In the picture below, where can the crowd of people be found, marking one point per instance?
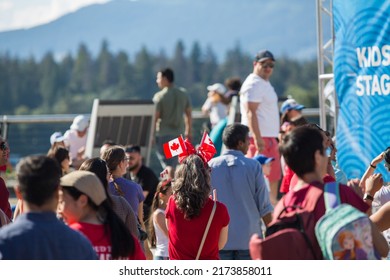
(206, 207)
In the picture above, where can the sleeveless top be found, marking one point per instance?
(161, 238)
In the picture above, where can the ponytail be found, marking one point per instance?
(122, 241)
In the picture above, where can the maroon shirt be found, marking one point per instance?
(4, 196)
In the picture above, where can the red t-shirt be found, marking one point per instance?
(185, 235)
(4, 196)
(288, 174)
(101, 241)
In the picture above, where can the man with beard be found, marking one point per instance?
(142, 175)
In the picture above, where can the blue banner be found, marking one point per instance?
(362, 81)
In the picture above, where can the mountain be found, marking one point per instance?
(285, 27)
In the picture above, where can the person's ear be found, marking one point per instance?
(83, 200)
(317, 158)
(240, 144)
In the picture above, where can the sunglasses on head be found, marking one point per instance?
(268, 65)
(3, 146)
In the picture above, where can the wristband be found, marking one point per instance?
(368, 197)
(372, 166)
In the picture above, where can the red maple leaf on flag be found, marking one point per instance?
(175, 146)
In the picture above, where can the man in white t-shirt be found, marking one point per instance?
(259, 111)
(76, 138)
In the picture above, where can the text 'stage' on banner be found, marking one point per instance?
(362, 79)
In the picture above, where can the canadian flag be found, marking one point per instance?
(207, 140)
(174, 147)
(206, 147)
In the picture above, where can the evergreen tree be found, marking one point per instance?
(195, 64)
(29, 94)
(107, 72)
(179, 65)
(125, 79)
(49, 80)
(65, 74)
(144, 77)
(82, 73)
(162, 61)
(209, 67)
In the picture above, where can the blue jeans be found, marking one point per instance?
(234, 255)
(160, 258)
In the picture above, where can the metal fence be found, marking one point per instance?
(30, 134)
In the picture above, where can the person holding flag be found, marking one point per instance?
(197, 224)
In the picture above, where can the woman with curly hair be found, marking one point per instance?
(188, 212)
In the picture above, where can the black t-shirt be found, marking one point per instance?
(148, 181)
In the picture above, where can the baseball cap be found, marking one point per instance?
(264, 55)
(87, 183)
(263, 159)
(56, 137)
(80, 123)
(220, 88)
(290, 104)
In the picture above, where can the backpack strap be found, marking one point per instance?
(332, 195)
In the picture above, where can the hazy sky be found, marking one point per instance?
(15, 14)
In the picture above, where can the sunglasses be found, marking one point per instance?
(3, 146)
(267, 65)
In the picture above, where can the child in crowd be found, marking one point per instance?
(61, 155)
(157, 226)
(265, 166)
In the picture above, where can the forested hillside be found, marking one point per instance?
(68, 85)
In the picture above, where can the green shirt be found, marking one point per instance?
(171, 103)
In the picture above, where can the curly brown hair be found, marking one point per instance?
(192, 186)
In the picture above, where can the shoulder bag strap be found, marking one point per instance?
(206, 230)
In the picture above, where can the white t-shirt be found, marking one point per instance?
(380, 198)
(218, 111)
(161, 239)
(74, 142)
(256, 89)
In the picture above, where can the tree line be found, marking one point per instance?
(53, 85)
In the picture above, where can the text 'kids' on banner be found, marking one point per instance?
(362, 79)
